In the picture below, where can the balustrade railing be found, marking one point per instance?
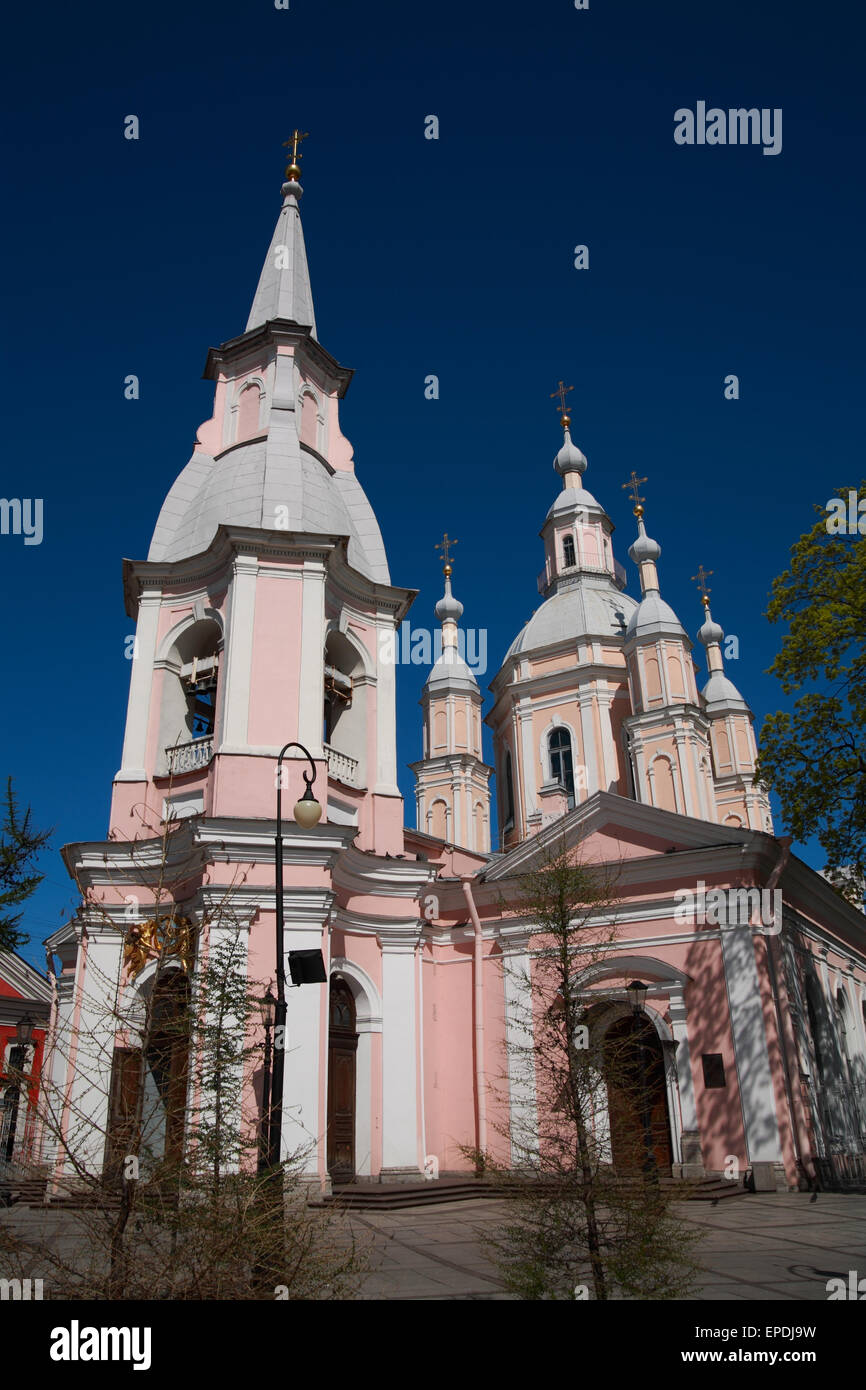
(341, 766)
(189, 757)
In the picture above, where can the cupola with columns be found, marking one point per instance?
(739, 800)
(668, 736)
(561, 695)
(598, 692)
(452, 782)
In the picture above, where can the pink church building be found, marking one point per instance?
(265, 612)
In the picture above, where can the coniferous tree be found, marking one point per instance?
(19, 847)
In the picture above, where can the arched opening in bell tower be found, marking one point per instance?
(189, 697)
(345, 708)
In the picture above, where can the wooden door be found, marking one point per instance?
(342, 1052)
(126, 1078)
(635, 1076)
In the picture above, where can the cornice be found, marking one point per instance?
(357, 872)
(364, 924)
(805, 888)
(278, 333)
(13, 1009)
(552, 682)
(20, 975)
(446, 762)
(229, 840)
(229, 543)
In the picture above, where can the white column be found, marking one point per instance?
(754, 1078)
(457, 804)
(140, 685)
(520, 1057)
(400, 1117)
(386, 720)
(239, 653)
(228, 934)
(526, 754)
(608, 752)
(90, 1092)
(685, 778)
(679, 1028)
(303, 1126)
(311, 704)
(587, 730)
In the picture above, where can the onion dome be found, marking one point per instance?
(570, 459)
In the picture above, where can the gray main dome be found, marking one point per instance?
(590, 606)
(243, 487)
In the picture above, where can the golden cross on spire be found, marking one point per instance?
(562, 391)
(445, 546)
(634, 483)
(297, 137)
(701, 580)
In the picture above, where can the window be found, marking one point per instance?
(561, 770)
(509, 791)
(714, 1070)
(568, 559)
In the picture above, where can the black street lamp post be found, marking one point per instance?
(307, 814)
(268, 1008)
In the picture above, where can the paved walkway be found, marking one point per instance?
(781, 1246)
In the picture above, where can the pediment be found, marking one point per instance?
(611, 828)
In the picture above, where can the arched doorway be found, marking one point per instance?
(634, 1073)
(342, 1054)
(147, 1109)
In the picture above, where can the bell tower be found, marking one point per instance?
(265, 605)
(668, 735)
(452, 791)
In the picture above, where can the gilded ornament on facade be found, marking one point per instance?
(156, 939)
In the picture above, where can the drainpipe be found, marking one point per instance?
(478, 979)
(784, 843)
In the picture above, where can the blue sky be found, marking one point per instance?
(452, 257)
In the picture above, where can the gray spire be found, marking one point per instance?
(652, 617)
(284, 285)
(720, 693)
(450, 671)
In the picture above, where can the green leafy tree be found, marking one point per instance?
(19, 847)
(814, 756)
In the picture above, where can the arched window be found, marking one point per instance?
(309, 420)
(249, 406)
(439, 820)
(568, 559)
(342, 664)
(479, 827)
(189, 700)
(509, 792)
(561, 769)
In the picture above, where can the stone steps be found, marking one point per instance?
(394, 1197)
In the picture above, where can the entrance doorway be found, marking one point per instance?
(147, 1109)
(634, 1071)
(342, 1055)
